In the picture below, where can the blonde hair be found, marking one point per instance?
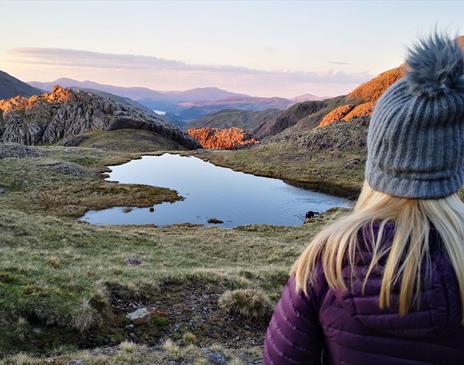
(338, 244)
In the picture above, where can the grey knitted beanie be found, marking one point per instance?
(416, 135)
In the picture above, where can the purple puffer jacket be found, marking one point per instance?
(334, 327)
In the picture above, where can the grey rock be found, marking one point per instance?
(59, 116)
(76, 362)
(2, 191)
(140, 315)
(216, 358)
(132, 261)
(16, 150)
(67, 168)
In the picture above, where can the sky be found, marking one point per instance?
(262, 48)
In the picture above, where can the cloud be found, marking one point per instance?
(88, 59)
(339, 63)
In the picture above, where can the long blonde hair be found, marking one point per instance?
(338, 244)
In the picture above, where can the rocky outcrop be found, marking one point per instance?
(336, 114)
(15, 150)
(339, 136)
(348, 112)
(362, 99)
(222, 138)
(62, 114)
(372, 90)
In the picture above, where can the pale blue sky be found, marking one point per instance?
(276, 48)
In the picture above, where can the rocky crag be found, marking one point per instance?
(361, 101)
(222, 138)
(59, 116)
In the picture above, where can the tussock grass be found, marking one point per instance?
(247, 303)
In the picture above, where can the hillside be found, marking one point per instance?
(11, 86)
(232, 118)
(63, 114)
(288, 118)
(361, 101)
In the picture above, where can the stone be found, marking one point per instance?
(2, 191)
(215, 221)
(216, 358)
(76, 362)
(311, 214)
(140, 315)
(132, 261)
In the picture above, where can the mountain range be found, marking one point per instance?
(182, 106)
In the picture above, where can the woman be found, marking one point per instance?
(385, 284)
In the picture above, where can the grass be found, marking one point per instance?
(129, 140)
(67, 182)
(247, 303)
(65, 285)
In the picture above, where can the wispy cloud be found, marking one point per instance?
(81, 58)
(339, 63)
(47, 64)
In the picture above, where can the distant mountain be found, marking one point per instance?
(11, 86)
(189, 111)
(202, 94)
(66, 116)
(183, 106)
(306, 97)
(233, 118)
(160, 100)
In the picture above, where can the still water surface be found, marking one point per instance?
(211, 191)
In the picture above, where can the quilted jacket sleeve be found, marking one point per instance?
(294, 335)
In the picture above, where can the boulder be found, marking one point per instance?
(141, 315)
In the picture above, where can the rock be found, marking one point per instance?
(16, 150)
(2, 191)
(67, 168)
(222, 138)
(363, 98)
(216, 358)
(127, 209)
(140, 315)
(311, 214)
(151, 209)
(132, 261)
(215, 221)
(76, 362)
(59, 116)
